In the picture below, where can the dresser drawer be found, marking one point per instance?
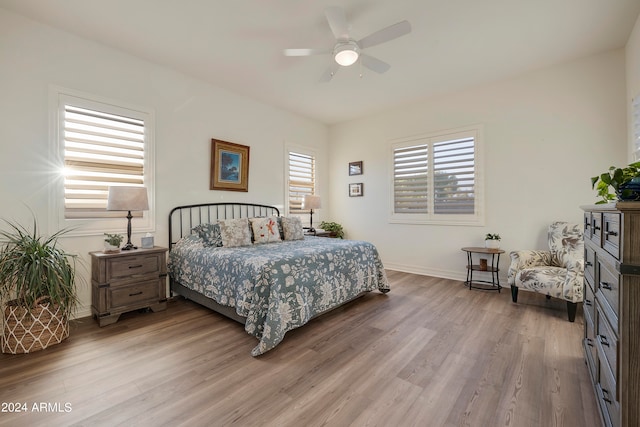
(587, 226)
(608, 291)
(590, 345)
(607, 344)
(611, 233)
(139, 293)
(589, 302)
(133, 266)
(589, 263)
(596, 228)
(606, 391)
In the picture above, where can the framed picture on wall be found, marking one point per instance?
(356, 190)
(355, 168)
(229, 166)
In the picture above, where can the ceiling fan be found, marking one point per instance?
(347, 50)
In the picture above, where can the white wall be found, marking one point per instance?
(188, 114)
(545, 134)
(632, 51)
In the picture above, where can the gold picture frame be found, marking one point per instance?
(229, 166)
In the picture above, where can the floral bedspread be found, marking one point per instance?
(278, 286)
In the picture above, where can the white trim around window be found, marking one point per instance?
(128, 157)
(305, 172)
(438, 178)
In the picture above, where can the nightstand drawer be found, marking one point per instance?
(133, 266)
(124, 296)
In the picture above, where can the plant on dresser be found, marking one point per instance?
(612, 309)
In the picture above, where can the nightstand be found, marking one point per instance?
(127, 281)
(318, 233)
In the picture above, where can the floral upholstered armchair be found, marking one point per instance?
(557, 272)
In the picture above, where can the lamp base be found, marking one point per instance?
(128, 247)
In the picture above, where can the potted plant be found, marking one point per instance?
(492, 241)
(37, 289)
(625, 183)
(334, 228)
(112, 243)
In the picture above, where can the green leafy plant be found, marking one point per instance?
(333, 227)
(33, 267)
(617, 179)
(113, 239)
(490, 236)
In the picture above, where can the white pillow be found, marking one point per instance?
(235, 232)
(265, 230)
(292, 227)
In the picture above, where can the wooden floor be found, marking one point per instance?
(429, 353)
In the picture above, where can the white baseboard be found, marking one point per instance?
(435, 272)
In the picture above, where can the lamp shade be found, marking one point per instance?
(311, 202)
(122, 198)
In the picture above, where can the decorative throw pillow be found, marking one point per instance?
(265, 230)
(292, 227)
(209, 233)
(235, 232)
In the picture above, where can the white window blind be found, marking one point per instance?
(410, 179)
(635, 111)
(100, 149)
(435, 179)
(302, 180)
(454, 176)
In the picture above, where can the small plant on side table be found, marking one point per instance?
(492, 241)
(334, 228)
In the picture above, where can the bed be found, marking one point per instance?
(271, 287)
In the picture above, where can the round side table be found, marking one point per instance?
(487, 285)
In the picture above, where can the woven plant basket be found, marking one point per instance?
(29, 330)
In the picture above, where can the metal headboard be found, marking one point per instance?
(183, 218)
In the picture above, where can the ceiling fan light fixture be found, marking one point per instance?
(346, 53)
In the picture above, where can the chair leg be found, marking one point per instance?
(514, 293)
(571, 310)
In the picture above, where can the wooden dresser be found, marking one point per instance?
(612, 309)
(126, 281)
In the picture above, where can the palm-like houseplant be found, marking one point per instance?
(37, 288)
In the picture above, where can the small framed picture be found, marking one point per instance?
(355, 168)
(356, 190)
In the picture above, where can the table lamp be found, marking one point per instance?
(122, 198)
(311, 202)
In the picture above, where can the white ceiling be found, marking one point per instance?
(237, 44)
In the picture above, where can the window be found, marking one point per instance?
(436, 178)
(302, 179)
(635, 112)
(100, 145)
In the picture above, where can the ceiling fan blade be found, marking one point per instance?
(374, 64)
(338, 22)
(329, 72)
(384, 35)
(305, 52)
